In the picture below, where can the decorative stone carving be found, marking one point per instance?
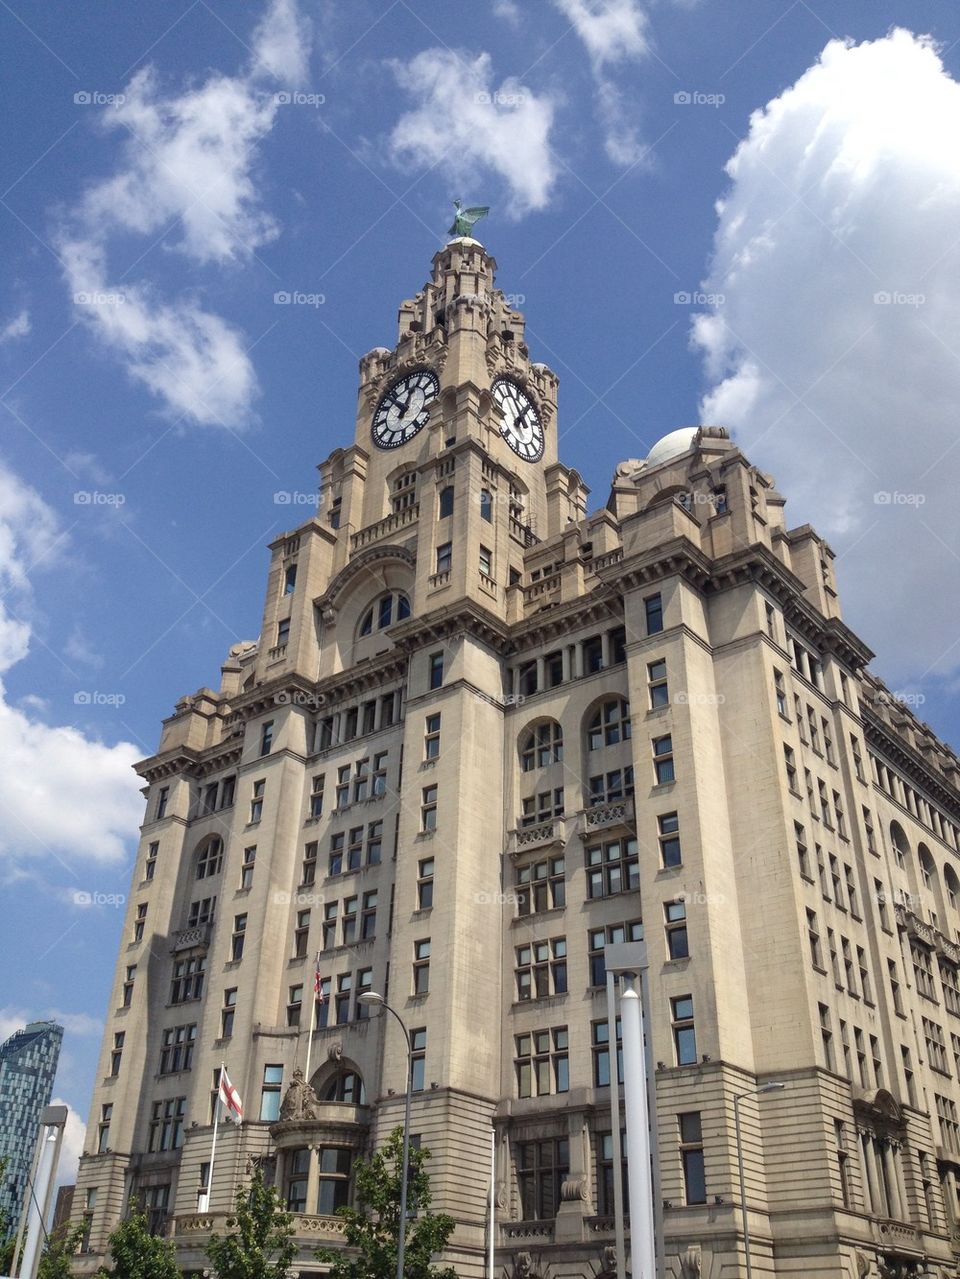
(573, 1189)
(691, 1263)
(523, 1266)
(335, 1051)
(862, 1262)
(301, 1101)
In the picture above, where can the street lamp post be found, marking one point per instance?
(753, 1092)
(372, 997)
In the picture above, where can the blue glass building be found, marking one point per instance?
(28, 1064)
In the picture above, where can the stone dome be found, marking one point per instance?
(672, 445)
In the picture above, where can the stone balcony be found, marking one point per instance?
(526, 838)
(385, 527)
(615, 815)
(926, 933)
(201, 1225)
(190, 939)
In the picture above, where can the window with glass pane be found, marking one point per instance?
(270, 1093)
(612, 868)
(541, 886)
(334, 1186)
(609, 724)
(542, 1167)
(684, 1035)
(298, 1168)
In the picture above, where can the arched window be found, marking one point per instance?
(542, 746)
(952, 885)
(610, 724)
(389, 608)
(446, 502)
(928, 868)
(901, 848)
(210, 858)
(486, 505)
(346, 1087)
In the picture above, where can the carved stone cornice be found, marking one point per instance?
(361, 563)
(883, 737)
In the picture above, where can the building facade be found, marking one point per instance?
(483, 735)
(28, 1066)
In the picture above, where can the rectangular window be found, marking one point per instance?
(300, 934)
(150, 866)
(826, 1035)
(599, 938)
(431, 737)
(236, 940)
(425, 883)
(297, 1164)
(328, 931)
(600, 1037)
(355, 848)
(684, 1034)
(364, 984)
(361, 780)
(283, 632)
(348, 931)
(436, 670)
(187, 982)
(781, 693)
(294, 1005)
(428, 808)
(790, 764)
(163, 798)
(541, 886)
(691, 1157)
(266, 737)
(610, 788)
(675, 927)
(657, 687)
(421, 966)
(668, 831)
(227, 1012)
(256, 801)
(368, 915)
(542, 1167)
(663, 760)
(103, 1128)
(201, 912)
(176, 1048)
(813, 935)
(541, 969)
(343, 786)
(126, 998)
(612, 867)
(542, 807)
(166, 1124)
(541, 1062)
(117, 1053)
(342, 1001)
(270, 1093)
(418, 1059)
(486, 561)
(379, 779)
(444, 557)
(289, 579)
(140, 923)
(653, 607)
(246, 869)
(803, 855)
(374, 843)
(316, 795)
(335, 861)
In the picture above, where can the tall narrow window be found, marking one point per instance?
(444, 557)
(684, 1034)
(436, 670)
(431, 736)
(445, 506)
(653, 606)
(657, 684)
(236, 941)
(663, 760)
(691, 1157)
(266, 738)
(421, 966)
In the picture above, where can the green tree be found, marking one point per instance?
(57, 1257)
(261, 1246)
(137, 1254)
(372, 1228)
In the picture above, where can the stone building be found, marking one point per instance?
(28, 1066)
(484, 734)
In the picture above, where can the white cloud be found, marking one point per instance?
(186, 171)
(281, 45)
(611, 30)
(847, 189)
(509, 10)
(464, 121)
(74, 1133)
(68, 795)
(18, 327)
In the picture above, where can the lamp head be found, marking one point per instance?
(372, 997)
(771, 1087)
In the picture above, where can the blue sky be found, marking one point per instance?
(747, 221)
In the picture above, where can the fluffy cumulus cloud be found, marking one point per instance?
(464, 121)
(612, 32)
(68, 795)
(186, 173)
(835, 351)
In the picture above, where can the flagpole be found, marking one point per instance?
(313, 1015)
(206, 1198)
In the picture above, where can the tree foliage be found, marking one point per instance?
(57, 1258)
(137, 1254)
(372, 1227)
(261, 1245)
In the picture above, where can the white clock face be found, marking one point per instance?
(404, 409)
(522, 428)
